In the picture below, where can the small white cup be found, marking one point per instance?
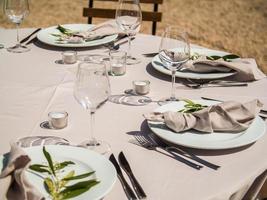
(58, 119)
(118, 63)
(141, 87)
(69, 57)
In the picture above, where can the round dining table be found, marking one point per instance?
(34, 83)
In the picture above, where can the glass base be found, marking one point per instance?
(18, 48)
(30, 141)
(165, 101)
(99, 146)
(132, 60)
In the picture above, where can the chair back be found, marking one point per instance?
(153, 16)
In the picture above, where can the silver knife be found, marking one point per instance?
(137, 187)
(127, 189)
(29, 36)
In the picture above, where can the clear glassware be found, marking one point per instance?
(129, 19)
(174, 51)
(91, 90)
(16, 11)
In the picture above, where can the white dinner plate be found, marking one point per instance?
(45, 36)
(157, 64)
(85, 161)
(212, 141)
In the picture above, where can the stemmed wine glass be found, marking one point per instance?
(16, 11)
(129, 18)
(91, 90)
(174, 51)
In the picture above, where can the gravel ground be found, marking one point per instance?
(236, 26)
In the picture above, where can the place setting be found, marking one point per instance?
(104, 127)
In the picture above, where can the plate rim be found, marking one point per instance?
(181, 74)
(206, 147)
(40, 37)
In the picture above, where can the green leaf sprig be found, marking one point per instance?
(65, 31)
(190, 106)
(227, 58)
(57, 187)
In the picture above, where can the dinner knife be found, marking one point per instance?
(127, 189)
(29, 36)
(126, 166)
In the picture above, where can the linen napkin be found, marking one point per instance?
(14, 184)
(101, 30)
(230, 116)
(246, 68)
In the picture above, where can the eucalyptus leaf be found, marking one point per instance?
(77, 189)
(81, 184)
(49, 185)
(62, 165)
(78, 176)
(230, 56)
(49, 160)
(188, 101)
(191, 107)
(40, 168)
(64, 182)
(64, 30)
(213, 57)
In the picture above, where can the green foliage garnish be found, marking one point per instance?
(190, 106)
(64, 30)
(57, 187)
(226, 58)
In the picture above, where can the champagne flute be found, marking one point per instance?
(129, 18)
(174, 52)
(16, 11)
(91, 90)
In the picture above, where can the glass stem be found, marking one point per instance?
(92, 125)
(173, 84)
(129, 46)
(17, 27)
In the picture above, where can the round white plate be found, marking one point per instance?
(157, 64)
(45, 36)
(85, 161)
(212, 141)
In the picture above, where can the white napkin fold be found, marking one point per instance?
(14, 184)
(228, 116)
(246, 68)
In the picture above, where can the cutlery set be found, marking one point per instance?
(140, 194)
(152, 142)
(30, 38)
(214, 83)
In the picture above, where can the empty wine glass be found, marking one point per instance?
(91, 90)
(129, 18)
(16, 11)
(174, 52)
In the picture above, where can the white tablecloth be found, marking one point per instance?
(32, 84)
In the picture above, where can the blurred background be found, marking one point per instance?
(236, 26)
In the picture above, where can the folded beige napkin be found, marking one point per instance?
(228, 116)
(246, 68)
(104, 29)
(14, 184)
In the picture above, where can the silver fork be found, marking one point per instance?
(151, 145)
(181, 151)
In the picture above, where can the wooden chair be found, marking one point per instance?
(153, 16)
